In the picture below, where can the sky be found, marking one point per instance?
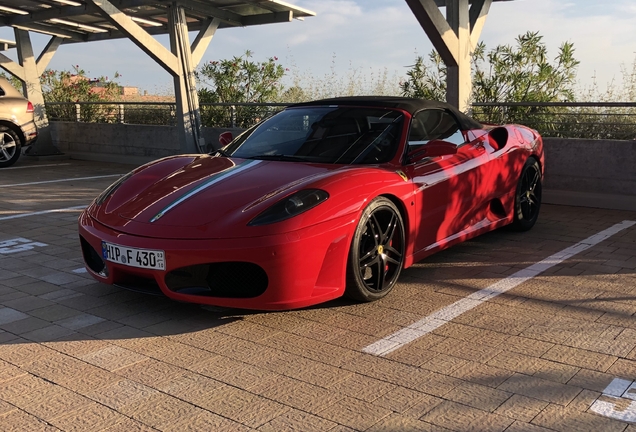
(368, 37)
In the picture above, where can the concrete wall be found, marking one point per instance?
(591, 173)
(123, 143)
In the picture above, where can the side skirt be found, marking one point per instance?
(481, 227)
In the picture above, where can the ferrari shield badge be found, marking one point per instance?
(401, 174)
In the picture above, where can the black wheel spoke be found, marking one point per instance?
(368, 262)
(375, 229)
(393, 251)
(381, 275)
(391, 260)
(390, 230)
(526, 181)
(366, 256)
(535, 181)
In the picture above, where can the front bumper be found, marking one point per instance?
(303, 267)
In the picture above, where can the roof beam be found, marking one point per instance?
(47, 14)
(117, 34)
(70, 11)
(12, 67)
(268, 18)
(53, 31)
(138, 35)
(437, 28)
(478, 14)
(227, 16)
(41, 63)
(203, 40)
(6, 44)
(47, 54)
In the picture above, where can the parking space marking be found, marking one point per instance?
(34, 166)
(18, 245)
(617, 401)
(62, 210)
(430, 323)
(80, 270)
(62, 180)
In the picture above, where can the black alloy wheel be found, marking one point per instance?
(528, 196)
(376, 257)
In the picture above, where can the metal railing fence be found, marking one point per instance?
(160, 113)
(596, 120)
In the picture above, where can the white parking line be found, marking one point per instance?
(61, 180)
(430, 323)
(80, 270)
(34, 166)
(62, 210)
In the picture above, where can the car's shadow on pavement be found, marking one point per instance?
(586, 283)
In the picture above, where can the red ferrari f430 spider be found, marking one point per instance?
(326, 198)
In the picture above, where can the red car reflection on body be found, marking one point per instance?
(324, 199)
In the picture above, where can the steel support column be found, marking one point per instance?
(179, 61)
(188, 113)
(454, 37)
(33, 91)
(458, 79)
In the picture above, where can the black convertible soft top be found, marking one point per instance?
(411, 105)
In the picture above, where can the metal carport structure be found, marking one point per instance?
(74, 21)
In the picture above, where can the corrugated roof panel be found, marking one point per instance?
(79, 20)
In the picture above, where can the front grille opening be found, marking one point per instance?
(93, 259)
(226, 279)
(139, 284)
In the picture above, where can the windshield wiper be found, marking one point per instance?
(220, 152)
(275, 157)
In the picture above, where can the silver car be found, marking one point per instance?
(17, 125)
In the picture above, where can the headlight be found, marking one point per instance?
(112, 188)
(291, 206)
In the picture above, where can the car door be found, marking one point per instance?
(449, 190)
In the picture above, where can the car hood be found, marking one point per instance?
(205, 197)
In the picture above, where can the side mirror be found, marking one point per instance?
(432, 148)
(225, 138)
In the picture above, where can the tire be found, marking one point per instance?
(528, 196)
(10, 146)
(376, 256)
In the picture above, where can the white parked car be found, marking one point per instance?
(17, 125)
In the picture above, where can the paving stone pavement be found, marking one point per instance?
(78, 355)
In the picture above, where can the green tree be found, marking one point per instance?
(239, 80)
(523, 72)
(74, 86)
(507, 73)
(426, 81)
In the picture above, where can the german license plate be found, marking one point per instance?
(141, 258)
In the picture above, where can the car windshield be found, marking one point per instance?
(335, 135)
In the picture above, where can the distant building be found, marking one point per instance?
(128, 91)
